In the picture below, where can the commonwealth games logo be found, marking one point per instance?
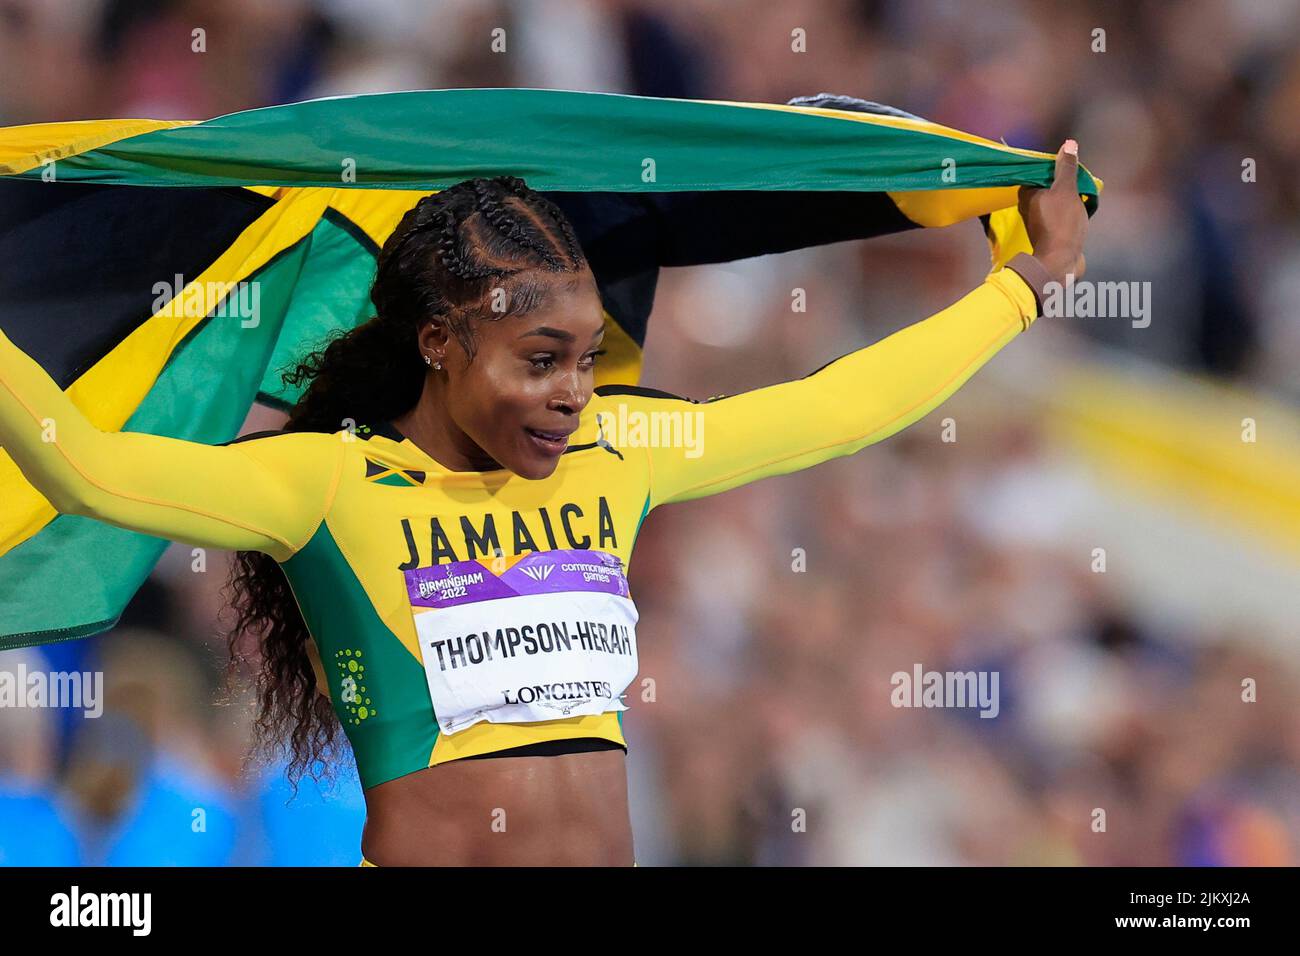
(539, 572)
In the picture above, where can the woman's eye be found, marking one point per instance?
(544, 362)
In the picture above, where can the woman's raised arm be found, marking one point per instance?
(870, 394)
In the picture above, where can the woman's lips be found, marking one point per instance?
(548, 443)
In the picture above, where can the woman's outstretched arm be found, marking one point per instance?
(863, 397)
(266, 494)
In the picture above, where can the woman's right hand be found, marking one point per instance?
(1056, 219)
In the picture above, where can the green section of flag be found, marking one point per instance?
(554, 140)
(331, 294)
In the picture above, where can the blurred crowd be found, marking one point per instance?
(761, 728)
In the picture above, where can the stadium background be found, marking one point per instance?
(1119, 690)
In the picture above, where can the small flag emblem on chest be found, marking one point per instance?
(387, 475)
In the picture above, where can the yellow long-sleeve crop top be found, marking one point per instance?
(463, 613)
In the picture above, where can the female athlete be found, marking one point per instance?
(432, 553)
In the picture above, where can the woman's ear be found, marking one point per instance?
(432, 337)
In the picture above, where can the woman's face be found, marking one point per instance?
(517, 402)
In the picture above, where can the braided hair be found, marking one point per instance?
(452, 255)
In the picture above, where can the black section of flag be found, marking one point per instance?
(79, 262)
(628, 237)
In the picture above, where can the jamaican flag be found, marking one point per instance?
(165, 272)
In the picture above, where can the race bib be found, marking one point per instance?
(552, 636)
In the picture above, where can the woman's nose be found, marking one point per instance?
(573, 395)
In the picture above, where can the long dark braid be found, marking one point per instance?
(446, 255)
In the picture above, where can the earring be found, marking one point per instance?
(437, 366)
(427, 360)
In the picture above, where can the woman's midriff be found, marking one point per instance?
(564, 810)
